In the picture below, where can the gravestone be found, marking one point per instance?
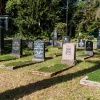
(1, 41)
(89, 48)
(81, 43)
(98, 40)
(39, 50)
(17, 47)
(69, 53)
(3, 25)
(55, 34)
(54, 41)
(65, 39)
(30, 44)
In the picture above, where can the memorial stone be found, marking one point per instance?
(39, 50)
(17, 47)
(65, 39)
(69, 53)
(89, 48)
(30, 44)
(98, 40)
(81, 43)
(54, 41)
(55, 34)
(1, 42)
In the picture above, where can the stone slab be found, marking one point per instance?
(86, 82)
(46, 74)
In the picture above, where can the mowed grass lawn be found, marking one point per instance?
(21, 84)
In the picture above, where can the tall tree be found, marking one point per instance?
(33, 17)
(86, 16)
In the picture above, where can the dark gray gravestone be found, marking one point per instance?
(17, 47)
(98, 40)
(81, 43)
(1, 41)
(39, 50)
(89, 48)
(3, 24)
(54, 41)
(65, 39)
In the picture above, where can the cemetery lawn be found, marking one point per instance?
(21, 84)
(6, 57)
(18, 63)
(55, 68)
(94, 76)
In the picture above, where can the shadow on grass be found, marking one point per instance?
(21, 91)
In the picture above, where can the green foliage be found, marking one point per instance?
(86, 16)
(90, 37)
(81, 37)
(33, 17)
(61, 29)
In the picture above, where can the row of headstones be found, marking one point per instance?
(68, 52)
(81, 44)
(39, 48)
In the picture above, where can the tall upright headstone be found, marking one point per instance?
(3, 25)
(68, 53)
(54, 38)
(17, 47)
(65, 39)
(39, 50)
(89, 48)
(55, 34)
(98, 39)
(1, 41)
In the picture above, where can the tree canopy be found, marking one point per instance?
(36, 18)
(33, 17)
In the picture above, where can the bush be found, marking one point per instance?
(90, 37)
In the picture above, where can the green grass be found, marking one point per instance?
(18, 63)
(94, 76)
(22, 84)
(54, 68)
(6, 57)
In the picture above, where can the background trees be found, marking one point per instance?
(32, 18)
(86, 17)
(36, 18)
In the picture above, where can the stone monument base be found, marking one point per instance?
(90, 53)
(68, 62)
(37, 60)
(16, 55)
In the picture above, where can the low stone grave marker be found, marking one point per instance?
(17, 47)
(89, 48)
(69, 53)
(39, 50)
